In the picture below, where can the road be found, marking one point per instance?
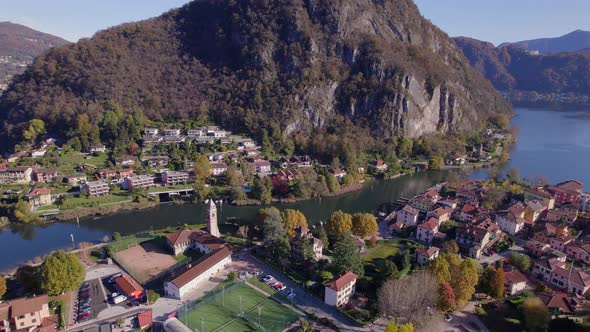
(501, 255)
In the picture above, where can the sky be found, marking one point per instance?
(496, 21)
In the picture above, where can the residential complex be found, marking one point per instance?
(340, 290)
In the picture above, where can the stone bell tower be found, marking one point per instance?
(212, 218)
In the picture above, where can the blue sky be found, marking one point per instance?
(491, 20)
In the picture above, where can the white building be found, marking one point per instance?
(508, 222)
(514, 282)
(192, 279)
(218, 169)
(171, 178)
(408, 215)
(426, 231)
(98, 148)
(339, 291)
(172, 132)
(423, 256)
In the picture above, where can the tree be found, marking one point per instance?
(202, 168)
(520, 261)
(436, 162)
(407, 327)
(273, 229)
(22, 212)
(498, 290)
(486, 282)
(27, 276)
(332, 183)
(536, 315)
(116, 236)
(440, 268)
(446, 297)
(389, 269)
(465, 281)
(61, 272)
(2, 286)
(502, 121)
(262, 189)
(292, 220)
(152, 296)
(451, 247)
(36, 127)
(338, 224)
(391, 326)
(326, 276)
(323, 236)
(232, 276)
(364, 224)
(411, 297)
(346, 256)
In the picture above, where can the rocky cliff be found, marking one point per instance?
(295, 68)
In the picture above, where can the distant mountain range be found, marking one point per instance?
(573, 41)
(19, 45)
(529, 78)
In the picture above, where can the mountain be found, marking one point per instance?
(19, 45)
(311, 74)
(573, 41)
(527, 78)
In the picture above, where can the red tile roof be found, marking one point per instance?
(557, 301)
(432, 223)
(202, 237)
(23, 306)
(128, 285)
(205, 264)
(410, 209)
(514, 277)
(39, 191)
(430, 252)
(145, 319)
(342, 282)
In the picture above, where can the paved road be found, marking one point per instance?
(306, 301)
(501, 255)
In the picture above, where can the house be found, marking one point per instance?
(423, 256)
(172, 178)
(150, 131)
(217, 156)
(555, 241)
(16, 175)
(107, 174)
(514, 282)
(536, 248)
(197, 132)
(216, 132)
(442, 213)
(473, 239)
(174, 139)
(261, 166)
(128, 286)
(509, 222)
(579, 252)
(139, 182)
(426, 230)
(379, 166)
(543, 267)
(408, 215)
(125, 173)
(339, 291)
(101, 148)
(455, 160)
(555, 272)
(45, 175)
(218, 169)
(76, 179)
(39, 153)
(562, 215)
(145, 319)
(424, 202)
(246, 144)
(203, 270)
(184, 240)
(339, 174)
(316, 246)
(172, 132)
(539, 193)
(95, 188)
(24, 314)
(467, 213)
(155, 161)
(534, 209)
(558, 303)
(566, 192)
(126, 161)
(39, 197)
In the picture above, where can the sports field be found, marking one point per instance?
(237, 310)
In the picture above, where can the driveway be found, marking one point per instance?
(464, 320)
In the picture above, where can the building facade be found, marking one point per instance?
(339, 291)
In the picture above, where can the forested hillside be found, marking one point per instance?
(329, 77)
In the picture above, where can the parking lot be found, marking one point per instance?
(90, 301)
(112, 292)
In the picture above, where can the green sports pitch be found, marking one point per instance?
(239, 308)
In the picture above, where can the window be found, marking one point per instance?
(22, 324)
(34, 320)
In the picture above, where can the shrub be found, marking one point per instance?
(480, 311)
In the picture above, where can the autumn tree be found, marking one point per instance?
(22, 212)
(440, 268)
(536, 315)
(2, 286)
(332, 183)
(364, 224)
(451, 247)
(411, 297)
(446, 297)
(202, 169)
(498, 290)
(391, 326)
(61, 272)
(436, 162)
(292, 220)
(346, 256)
(36, 127)
(338, 224)
(465, 281)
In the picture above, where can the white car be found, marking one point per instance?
(119, 299)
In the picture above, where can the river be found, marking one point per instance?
(553, 144)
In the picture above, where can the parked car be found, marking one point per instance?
(267, 278)
(113, 277)
(119, 299)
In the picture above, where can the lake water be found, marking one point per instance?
(554, 144)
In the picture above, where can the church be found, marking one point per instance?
(217, 255)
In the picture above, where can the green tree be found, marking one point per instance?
(292, 220)
(36, 127)
(391, 326)
(61, 272)
(2, 287)
(22, 212)
(202, 169)
(364, 224)
(436, 162)
(326, 276)
(84, 129)
(440, 268)
(407, 327)
(338, 224)
(152, 296)
(451, 247)
(116, 236)
(346, 256)
(262, 189)
(536, 315)
(75, 144)
(273, 229)
(323, 236)
(332, 183)
(520, 261)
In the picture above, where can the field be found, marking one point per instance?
(236, 310)
(383, 250)
(146, 260)
(69, 161)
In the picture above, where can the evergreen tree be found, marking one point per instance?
(347, 257)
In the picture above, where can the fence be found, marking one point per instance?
(131, 240)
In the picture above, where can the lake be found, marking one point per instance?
(554, 144)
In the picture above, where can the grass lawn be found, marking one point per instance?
(261, 285)
(178, 187)
(47, 207)
(383, 250)
(129, 241)
(116, 196)
(222, 310)
(70, 160)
